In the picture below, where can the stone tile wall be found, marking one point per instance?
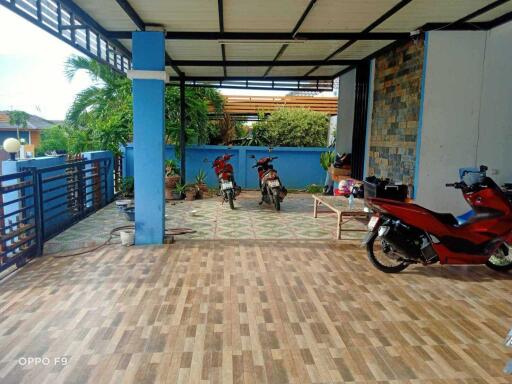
(396, 106)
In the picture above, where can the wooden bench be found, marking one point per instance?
(339, 205)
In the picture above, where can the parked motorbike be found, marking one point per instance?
(225, 174)
(401, 234)
(272, 190)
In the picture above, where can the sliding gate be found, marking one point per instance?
(37, 204)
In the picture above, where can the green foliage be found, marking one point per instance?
(18, 119)
(327, 158)
(200, 177)
(171, 168)
(314, 188)
(128, 186)
(180, 188)
(55, 138)
(103, 111)
(292, 127)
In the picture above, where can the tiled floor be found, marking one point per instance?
(246, 311)
(210, 219)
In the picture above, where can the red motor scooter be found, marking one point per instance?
(227, 186)
(401, 234)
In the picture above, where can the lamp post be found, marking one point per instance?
(11, 145)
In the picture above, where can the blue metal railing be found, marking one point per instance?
(37, 204)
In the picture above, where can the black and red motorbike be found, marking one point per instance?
(272, 189)
(401, 234)
(225, 174)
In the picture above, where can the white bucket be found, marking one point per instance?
(127, 237)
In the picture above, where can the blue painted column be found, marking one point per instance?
(148, 138)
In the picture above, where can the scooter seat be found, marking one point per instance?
(446, 218)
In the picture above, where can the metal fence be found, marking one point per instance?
(37, 204)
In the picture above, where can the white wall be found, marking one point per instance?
(466, 112)
(346, 106)
(451, 104)
(495, 139)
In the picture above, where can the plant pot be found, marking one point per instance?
(190, 195)
(171, 181)
(176, 195)
(202, 187)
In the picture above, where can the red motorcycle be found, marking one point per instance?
(401, 234)
(272, 190)
(225, 174)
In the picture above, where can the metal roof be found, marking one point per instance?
(33, 123)
(244, 40)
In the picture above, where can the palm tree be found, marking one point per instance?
(19, 119)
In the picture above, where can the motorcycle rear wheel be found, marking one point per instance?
(373, 249)
(277, 201)
(501, 261)
(230, 199)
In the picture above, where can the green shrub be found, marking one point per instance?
(293, 127)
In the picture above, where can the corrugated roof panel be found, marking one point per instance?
(246, 71)
(179, 15)
(251, 51)
(194, 49)
(420, 12)
(311, 50)
(203, 71)
(262, 15)
(289, 71)
(494, 13)
(345, 15)
(360, 49)
(329, 70)
(108, 14)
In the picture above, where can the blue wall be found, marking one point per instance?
(297, 167)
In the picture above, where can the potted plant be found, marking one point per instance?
(200, 178)
(128, 186)
(190, 192)
(172, 176)
(179, 191)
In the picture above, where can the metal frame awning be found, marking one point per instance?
(268, 44)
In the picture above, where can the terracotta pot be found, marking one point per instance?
(202, 187)
(171, 181)
(190, 194)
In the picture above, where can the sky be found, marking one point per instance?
(32, 70)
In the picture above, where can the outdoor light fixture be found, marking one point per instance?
(11, 145)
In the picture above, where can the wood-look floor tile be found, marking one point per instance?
(246, 312)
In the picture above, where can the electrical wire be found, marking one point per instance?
(114, 233)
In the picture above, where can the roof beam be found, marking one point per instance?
(481, 11)
(274, 36)
(367, 30)
(132, 14)
(137, 20)
(294, 33)
(220, 7)
(261, 63)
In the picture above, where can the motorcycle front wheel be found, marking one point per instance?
(501, 261)
(381, 256)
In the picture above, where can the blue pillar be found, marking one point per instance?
(148, 138)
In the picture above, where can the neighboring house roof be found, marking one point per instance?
(34, 122)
